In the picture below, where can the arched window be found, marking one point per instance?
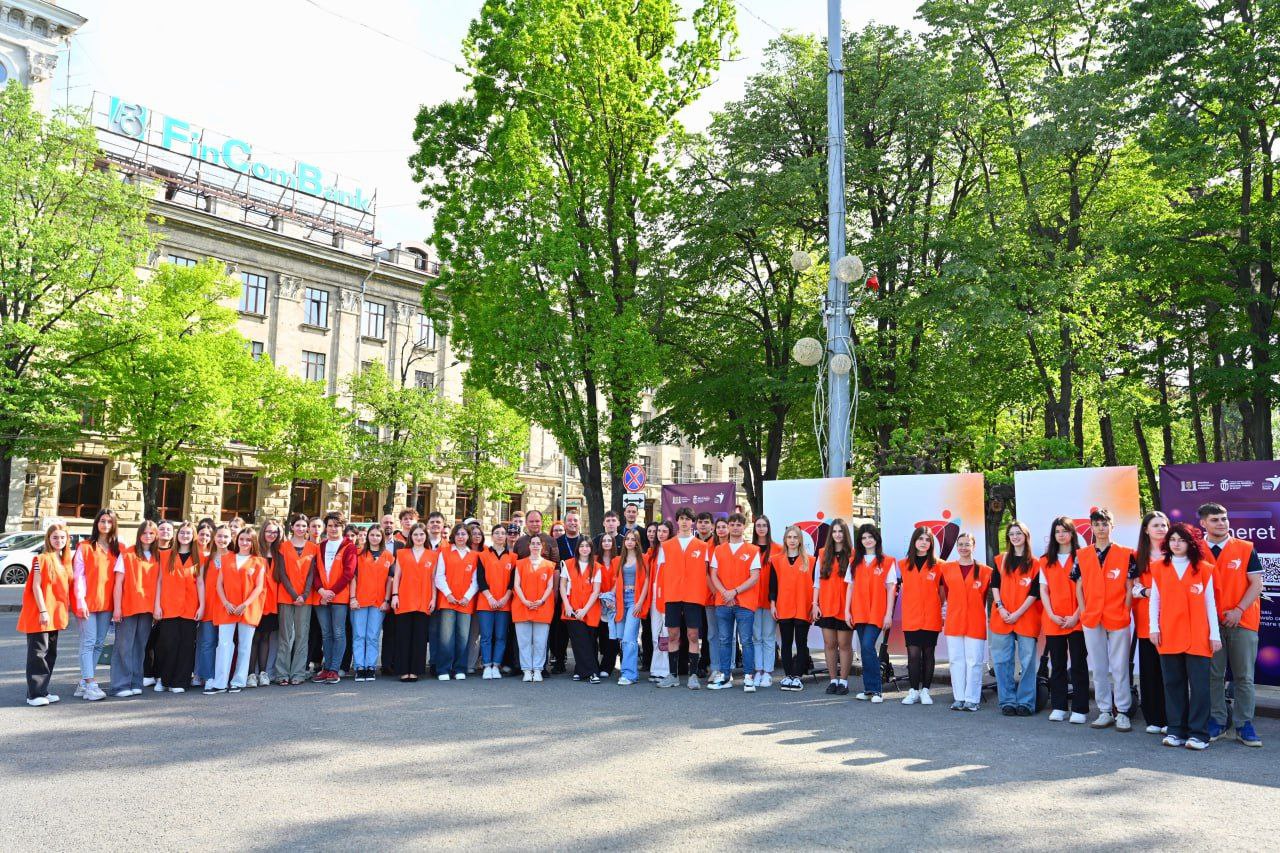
(40, 27)
(17, 18)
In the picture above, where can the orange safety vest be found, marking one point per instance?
(1104, 586)
(1231, 579)
(1183, 622)
(1014, 589)
(921, 601)
(533, 582)
(55, 577)
(733, 569)
(966, 600)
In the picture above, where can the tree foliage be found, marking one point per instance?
(487, 442)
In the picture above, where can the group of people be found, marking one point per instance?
(222, 607)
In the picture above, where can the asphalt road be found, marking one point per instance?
(560, 765)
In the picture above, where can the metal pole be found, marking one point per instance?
(837, 291)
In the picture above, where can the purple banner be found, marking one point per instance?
(1251, 493)
(715, 498)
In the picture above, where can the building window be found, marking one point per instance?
(305, 497)
(257, 349)
(315, 305)
(253, 298)
(40, 27)
(180, 261)
(461, 505)
(646, 462)
(426, 332)
(422, 501)
(733, 473)
(171, 495)
(366, 426)
(364, 503)
(706, 473)
(514, 502)
(675, 470)
(375, 320)
(239, 494)
(313, 366)
(91, 416)
(80, 488)
(424, 379)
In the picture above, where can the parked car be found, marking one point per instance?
(21, 539)
(15, 563)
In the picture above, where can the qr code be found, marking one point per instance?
(1270, 572)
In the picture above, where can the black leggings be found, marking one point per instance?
(262, 643)
(175, 651)
(608, 647)
(583, 638)
(1059, 646)
(1150, 683)
(795, 634)
(921, 649)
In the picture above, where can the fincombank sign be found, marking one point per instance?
(140, 123)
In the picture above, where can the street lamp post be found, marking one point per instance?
(837, 318)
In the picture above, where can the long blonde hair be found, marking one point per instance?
(803, 559)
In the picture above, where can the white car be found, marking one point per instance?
(16, 564)
(21, 539)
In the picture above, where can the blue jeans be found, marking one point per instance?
(493, 635)
(333, 630)
(206, 651)
(1019, 692)
(867, 636)
(630, 638)
(450, 631)
(726, 617)
(366, 626)
(93, 633)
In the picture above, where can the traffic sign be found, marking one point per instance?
(633, 478)
(637, 500)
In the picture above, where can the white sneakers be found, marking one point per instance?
(1104, 720)
(764, 680)
(147, 682)
(1057, 716)
(537, 675)
(748, 684)
(38, 702)
(92, 692)
(528, 676)
(925, 698)
(1154, 730)
(462, 676)
(253, 680)
(717, 682)
(1078, 719)
(625, 682)
(444, 676)
(491, 671)
(876, 698)
(1123, 723)
(912, 697)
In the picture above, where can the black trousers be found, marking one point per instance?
(511, 654)
(1150, 683)
(557, 640)
(411, 643)
(149, 657)
(315, 650)
(608, 648)
(389, 643)
(583, 637)
(795, 633)
(42, 654)
(1059, 648)
(1186, 694)
(646, 642)
(345, 665)
(175, 651)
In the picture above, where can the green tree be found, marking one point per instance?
(749, 194)
(186, 385)
(305, 434)
(487, 442)
(400, 428)
(550, 191)
(72, 236)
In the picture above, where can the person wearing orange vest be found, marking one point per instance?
(95, 562)
(266, 635)
(413, 599)
(682, 563)
(46, 604)
(179, 605)
(135, 598)
(295, 576)
(1015, 622)
(764, 628)
(631, 595)
(1183, 623)
(1151, 550)
(335, 567)
(735, 574)
(921, 613)
(1237, 582)
(370, 600)
(532, 608)
(580, 607)
(659, 663)
(964, 583)
(455, 583)
(872, 581)
(1063, 636)
(790, 591)
(493, 600)
(1103, 593)
(609, 631)
(238, 607)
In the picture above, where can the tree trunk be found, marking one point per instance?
(1166, 416)
(1107, 430)
(1219, 430)
(6, 473)
(150, 492)
(1193, 399)
(394, 478)
(1077, 429)
(1147, 467)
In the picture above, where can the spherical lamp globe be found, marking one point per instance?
(807, 351)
